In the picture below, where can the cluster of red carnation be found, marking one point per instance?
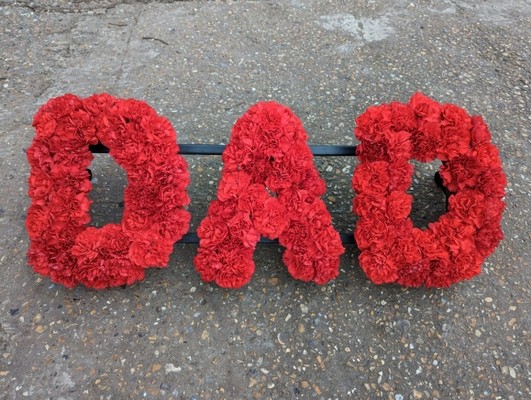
(454, 247)
(62, 246)
(269, 186)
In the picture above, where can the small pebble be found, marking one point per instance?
(273, 281)
(171, 368)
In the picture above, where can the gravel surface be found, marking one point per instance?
(202, 64)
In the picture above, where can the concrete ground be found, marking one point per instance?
(202, 64)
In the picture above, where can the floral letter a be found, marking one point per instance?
(269, 186)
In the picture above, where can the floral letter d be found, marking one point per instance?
(62, 245)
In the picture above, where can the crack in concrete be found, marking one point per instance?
(126, 53)
(81, 5)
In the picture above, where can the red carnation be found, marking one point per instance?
(494, 208)
(425, 108)
(400, 173)
(371, 178)
(460, 173)
(223, 210)
(403, 117)
(316, 215)
(241, 228)
(327, 269)
(40, 156)
(487, 238)
(372, 151)
(443, 273)
(231, 184)
(426, 140)
(280, 178)
(487, 155)
(328, 243)
(398, 205)
(468, 205)
(373, 234)
(480, 132)
(398, 145)
(469, 264)
(427, 241)
(212, 231)
(370, 206)
(301, 266)
(38, 220)
(38, 257)
(378, 268)
(373, 122)
(413, 275)
(456, 126)
(492, 182)
(296, 238)
(311, 182)
(270, 220)
(152, 252)
(253, 198)
(63, 268)
(456, 234)
(45, 124)
(295, 200)
(230, 268)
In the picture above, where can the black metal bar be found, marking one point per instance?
(217, 149)
(440, 184)
(347, 238)
(201, 149)
(98, 148)
(330, 150)
(191, 237)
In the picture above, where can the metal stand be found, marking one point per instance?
(317, 150)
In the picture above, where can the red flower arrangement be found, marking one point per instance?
(454, 247)
(269, 186)
(62, 246)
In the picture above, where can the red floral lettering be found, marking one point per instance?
(269, 186)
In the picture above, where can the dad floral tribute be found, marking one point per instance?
(62, 246)
(454, 247)
(269, 186)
